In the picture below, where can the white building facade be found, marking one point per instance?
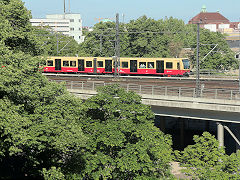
(67, 24)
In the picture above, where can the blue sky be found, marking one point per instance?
(133, 9)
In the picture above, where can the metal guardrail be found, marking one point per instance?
(160, 90)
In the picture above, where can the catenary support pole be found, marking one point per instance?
(198, 63)
(117, 47)
(64, 6)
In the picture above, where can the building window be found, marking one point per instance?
(71, 29)
(80, 29)
(168, 65)
(79, 37)
(79, 20)
(71, 20)
(124, 64)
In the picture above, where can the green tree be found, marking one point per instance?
(146, 37)
(55, 44)
(16, 30)
(99, 42)
(53, 174)
(123, 142)
(221, 58)
(206, 160)
(38, 120)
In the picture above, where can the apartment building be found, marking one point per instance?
(68, 24)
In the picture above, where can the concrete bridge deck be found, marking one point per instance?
(221, 106)
(185, 107)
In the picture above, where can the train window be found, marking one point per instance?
(88, 63)
(50, 63)
(142, 65)
(150, 65)
(124, 64)
(168, 65)
(66, 63)
(186, 64)
(100, 64)
(72, 63)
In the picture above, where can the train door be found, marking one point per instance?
(108, 65)
(133, 65)
(160, 67)
(81, 65)
(178, 66)
(58, 66)
(95, 65)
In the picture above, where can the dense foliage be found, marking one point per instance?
(55, 44)
(206, 160)
(38, 119)
(146, 37)
(123, 142)
(47, 133)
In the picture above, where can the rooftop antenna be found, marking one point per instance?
(64, 5)
(69, 6)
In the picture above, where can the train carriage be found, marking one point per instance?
(128, 66)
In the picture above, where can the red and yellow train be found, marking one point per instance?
(128, 66)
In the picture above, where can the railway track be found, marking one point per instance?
(206, 82)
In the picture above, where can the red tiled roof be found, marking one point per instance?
(234, 25)
(208, 18)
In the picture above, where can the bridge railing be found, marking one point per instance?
(227, 94)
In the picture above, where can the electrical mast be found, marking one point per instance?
(64, 6)
(117, 48)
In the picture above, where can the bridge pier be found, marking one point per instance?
(220, 134)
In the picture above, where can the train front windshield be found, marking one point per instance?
(186, 64)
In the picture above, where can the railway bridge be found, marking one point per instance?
(220, 106)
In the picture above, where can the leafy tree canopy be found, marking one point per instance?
(206, 160)
(38, 120)
(16, 30)
(123, 142)
(55, 44)
(146, 37)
